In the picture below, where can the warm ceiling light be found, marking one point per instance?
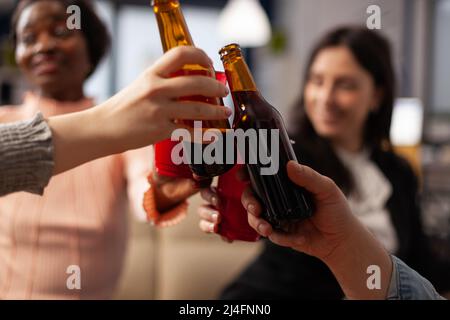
(245, 22)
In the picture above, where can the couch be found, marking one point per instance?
(180, 262)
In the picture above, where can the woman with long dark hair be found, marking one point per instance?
(341, 129)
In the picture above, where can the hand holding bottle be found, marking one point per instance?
(174, 32)
(333, 234)
(209, 213)
(170, 191)
(223, 213)
(141, 114)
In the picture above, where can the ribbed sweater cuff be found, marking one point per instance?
(26, 156)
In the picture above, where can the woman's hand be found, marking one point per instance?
(324, 231)
(332, 234)
(209, 212)
(169, 192)
(143, 113)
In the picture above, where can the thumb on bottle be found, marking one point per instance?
(309, 179)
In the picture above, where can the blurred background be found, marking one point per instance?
(182, 263)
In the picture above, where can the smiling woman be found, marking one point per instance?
(339, 97)
(53, 57)
(83, 211)
(342, 122)
(81, 220)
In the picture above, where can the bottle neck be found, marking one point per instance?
(238, 74)
(172, 25)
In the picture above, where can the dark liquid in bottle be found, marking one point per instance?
(284, 201)
(203, 169)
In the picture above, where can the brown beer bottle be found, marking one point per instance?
(284, 201)
(174, 32)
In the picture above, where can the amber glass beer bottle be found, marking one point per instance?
(284, 202)
(174, 32)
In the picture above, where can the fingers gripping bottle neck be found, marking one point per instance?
(174, 32)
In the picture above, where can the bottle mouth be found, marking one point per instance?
(156, 2)
(231, 50)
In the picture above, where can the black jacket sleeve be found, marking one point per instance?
(407, 216)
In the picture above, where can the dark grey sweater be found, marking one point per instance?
(26, 156)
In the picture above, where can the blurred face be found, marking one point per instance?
(52, 57)
(339, 95)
